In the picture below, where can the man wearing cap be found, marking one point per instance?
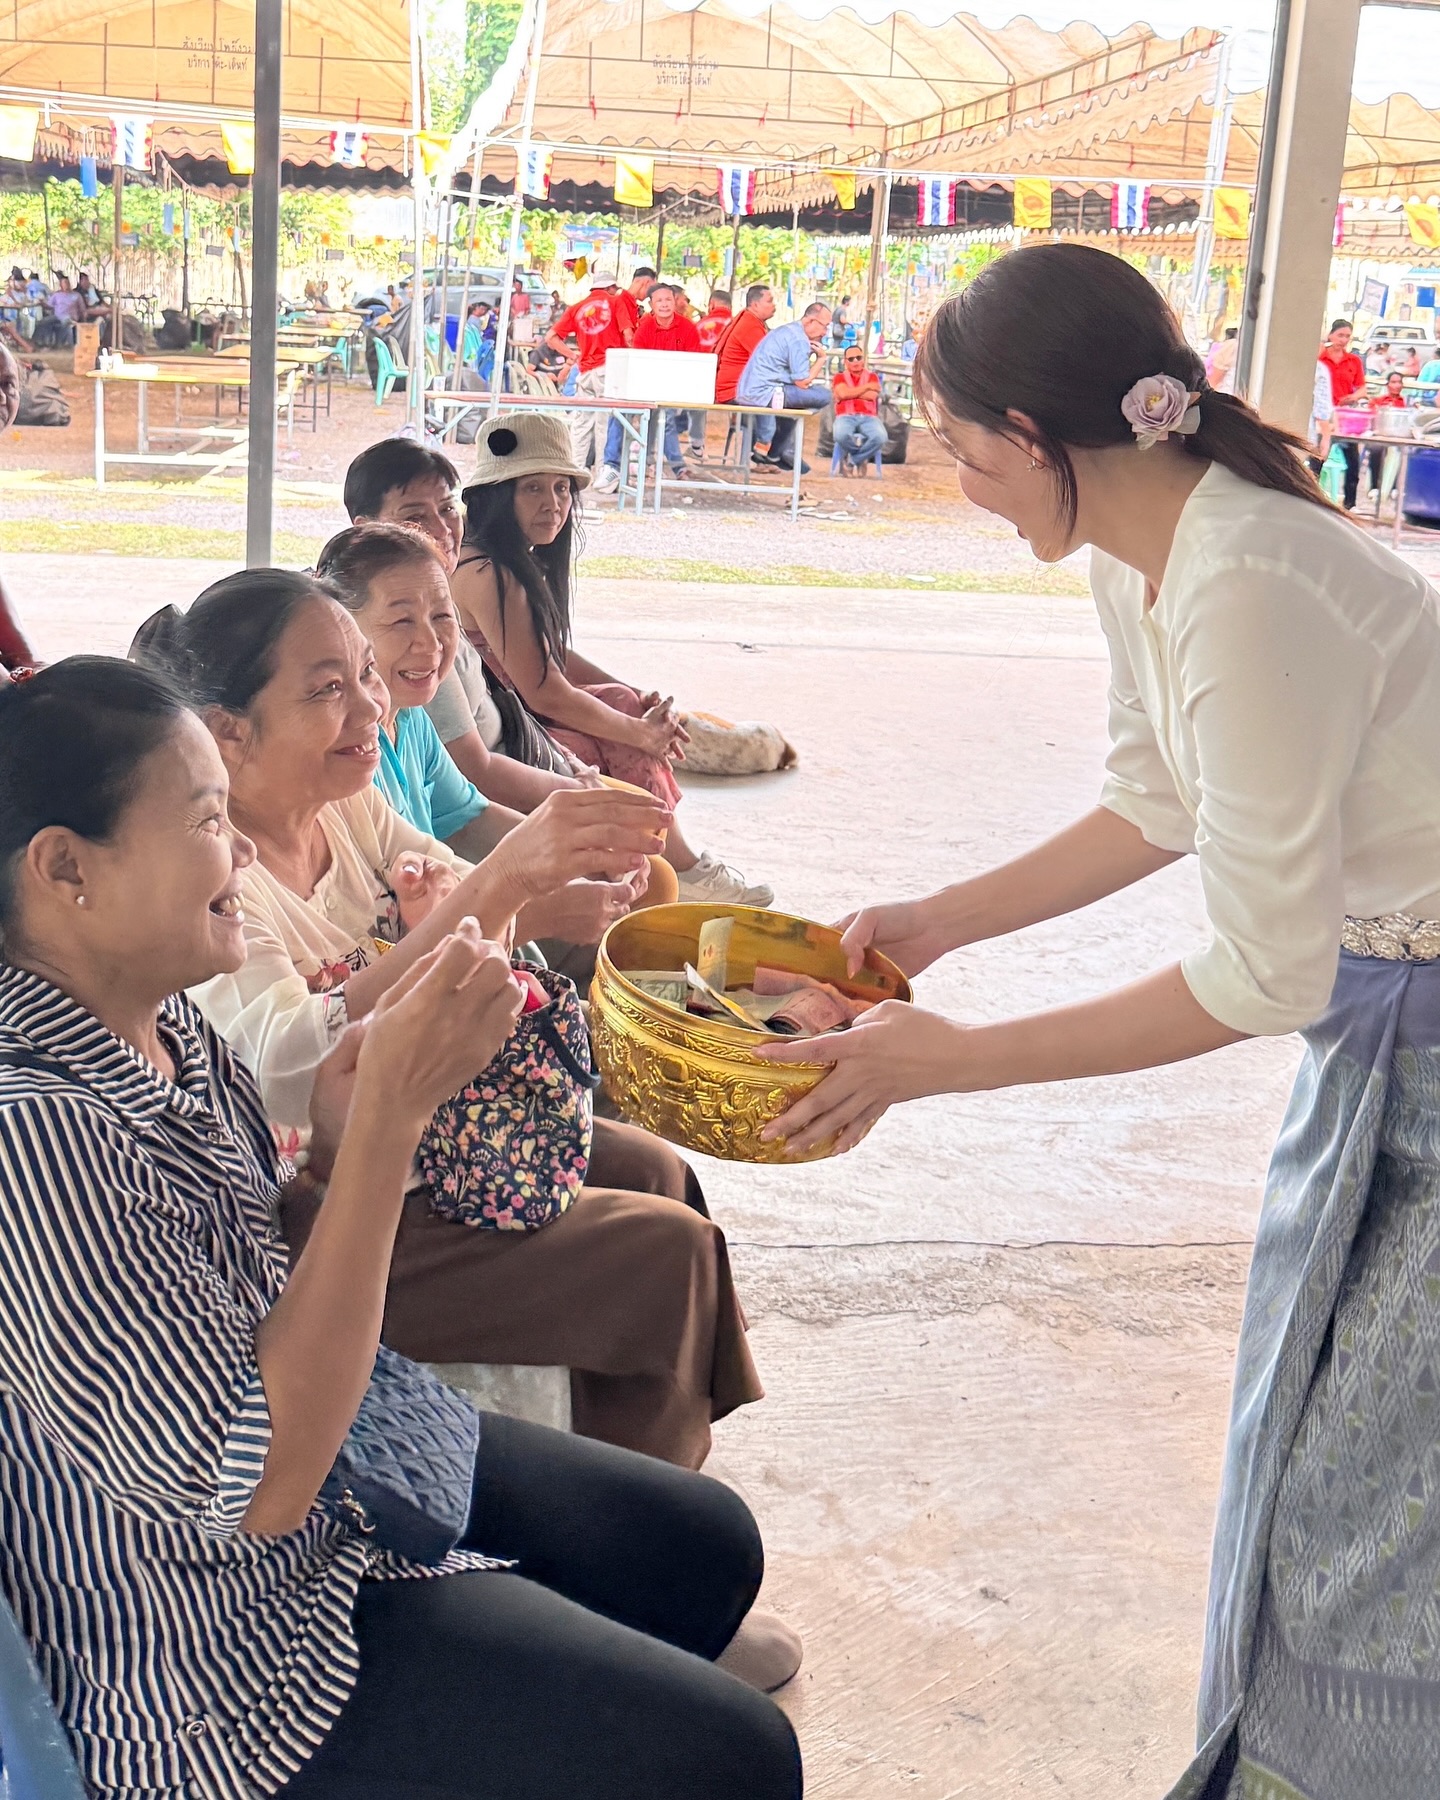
(598, 325)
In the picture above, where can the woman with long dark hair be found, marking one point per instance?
(512, 587)
(1275, 712)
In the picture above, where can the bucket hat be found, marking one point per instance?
(524, 443)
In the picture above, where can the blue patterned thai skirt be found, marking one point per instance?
(1321, 1677)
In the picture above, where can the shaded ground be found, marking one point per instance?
(997, 1337)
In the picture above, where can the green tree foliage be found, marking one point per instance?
(489, 33)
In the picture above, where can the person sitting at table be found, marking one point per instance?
(630, 1291)
(734, 347)
(176, 1392)
(858, 432)
(96, 305)
(781, 372)
(1393, 397)
(67, 306)
(512, 588)
(478, 348)
(662, 328)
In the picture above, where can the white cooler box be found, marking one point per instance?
(666, 377)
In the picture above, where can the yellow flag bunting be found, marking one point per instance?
(1232, 213)
(433, 147)
(635, 180)
(239, 141)
(1032, 202)
(843, 182)
(1424, 222)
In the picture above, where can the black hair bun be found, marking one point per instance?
(502, 441)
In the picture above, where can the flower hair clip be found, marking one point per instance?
(1158, 405)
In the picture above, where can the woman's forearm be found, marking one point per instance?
(501, 778)
(316, 1346)
(580, 668)
(557, 698)
(1151, 1022)
(1098, 855)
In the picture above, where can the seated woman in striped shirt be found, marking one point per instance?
(172, 1395)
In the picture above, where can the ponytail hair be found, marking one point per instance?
(1061, 333)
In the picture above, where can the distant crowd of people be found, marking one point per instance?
(772, 372)
(36, 312)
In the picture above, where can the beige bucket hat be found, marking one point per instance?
(524, 443)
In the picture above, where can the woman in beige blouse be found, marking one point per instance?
(629, 1290)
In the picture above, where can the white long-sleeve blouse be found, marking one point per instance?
(1276, 712)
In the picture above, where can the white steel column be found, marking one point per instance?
(1294, 257)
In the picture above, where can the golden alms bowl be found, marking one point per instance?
(697, 1081)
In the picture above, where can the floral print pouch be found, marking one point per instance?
(511, 1150)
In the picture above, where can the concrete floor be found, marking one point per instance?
(997, 1337)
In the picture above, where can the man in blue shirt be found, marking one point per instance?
(782, 363)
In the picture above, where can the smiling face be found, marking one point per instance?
(429, 505)
(162, 894)
(542, 505)
(410, 621)
(312, 733)
(1004, 476)
(662, 305)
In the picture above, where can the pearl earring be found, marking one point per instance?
(80, 900)
(1033, 463)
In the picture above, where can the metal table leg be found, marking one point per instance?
(799, 451)
(1400, 478)
(659, 417)
(142, 417)
(99, 431)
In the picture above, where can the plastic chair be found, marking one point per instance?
(38, 1761)
(387, 371)
(837, 456)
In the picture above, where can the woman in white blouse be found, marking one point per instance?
(1274, 711)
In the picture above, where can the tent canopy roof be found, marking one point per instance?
(981, 93)
(190, 64)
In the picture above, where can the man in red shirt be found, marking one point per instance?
(710, 329)
(858, 431)
(627, 303)
(662, 328)
(1347, 388)
(736, 343)
(597, 325)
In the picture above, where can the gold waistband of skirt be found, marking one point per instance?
(1398, 937)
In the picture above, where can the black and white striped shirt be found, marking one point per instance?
(138, 1253)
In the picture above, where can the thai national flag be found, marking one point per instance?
(347, 146)
(737, 188)
(1129, 205)
(936, 202)
(132, 141)
(535, 172)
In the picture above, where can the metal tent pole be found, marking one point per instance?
(879, 238)
(470, 234)
(415, 374)
(264, 286)
(117, 309)
(1260, 211)
(1216, 153)
(517, 204)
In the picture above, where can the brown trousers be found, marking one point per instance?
(630, 1290)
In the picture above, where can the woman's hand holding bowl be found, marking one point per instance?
(893, 1052)
(577, 833)
(909, 932)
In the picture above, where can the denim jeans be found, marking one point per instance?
(811, 399)
(859, 436)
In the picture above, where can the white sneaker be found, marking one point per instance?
(710, 879)
(608, 480)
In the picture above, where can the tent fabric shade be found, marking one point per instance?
(738, 80)
(193, 68)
